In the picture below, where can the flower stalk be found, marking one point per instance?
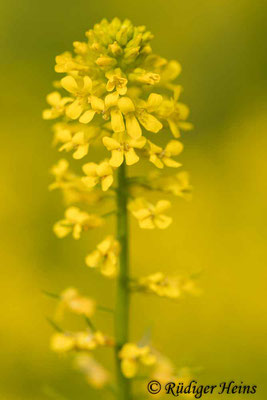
(122, 295)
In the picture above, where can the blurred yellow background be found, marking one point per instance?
(222, 232)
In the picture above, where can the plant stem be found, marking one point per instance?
(122, 298)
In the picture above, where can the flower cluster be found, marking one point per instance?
(116, 94)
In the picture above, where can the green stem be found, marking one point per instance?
(122, 298)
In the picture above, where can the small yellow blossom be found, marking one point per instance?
(177, 184)
(95, 374)
(76, 221)
(62, 343)
(121, 147)
(77, 142)
(105, 257)
(161, 285)
(74, 302)
(159, 156)
(98, 173)
(58, 105)
(117, 81)
(150, 216)
(175, 113)
(127, 107)
(132, 356)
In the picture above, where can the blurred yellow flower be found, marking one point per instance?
(160, 285)
(105, 257)
(76, 221)
(95, 374)
(150, 216)
(121, 147)
(159, 156)
(57, 103)
(71, 300)
(132, 356)
(98, 173)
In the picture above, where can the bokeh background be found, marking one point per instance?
(222, 233)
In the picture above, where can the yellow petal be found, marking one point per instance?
(93, 259)
(146, 223)
(87, 83)
(156, 161)
(117, 122)
(116, 158)
(129, 368)
(60, 230)
(89, 169)
(90, 181)
(74, 110)
(131, 157)
(81, 151)
(162, 221)
(111, 100)
(150, 122)
(110, 143)
(53, 98)
(97, 103)
(104, 169)
(87, 116)
(106, 182)
(154, 101)
(169, 162)
(162, 206)
(132, 126)
(69, 84)
(174, 147)
(126, 105)
(174, 128)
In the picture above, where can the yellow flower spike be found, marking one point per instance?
(102, 173)
(62, 343)
(76, 221)
(159, 157)
(105, 257)
(132, 125)
(150, 216)
(123, 148)
(58, 105)
(74, 302)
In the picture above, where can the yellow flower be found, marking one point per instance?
(74, 302)
(66, 63)
(81, 89)
(96, 375)
(117, 81)
(161, 285)
(150, 216)
(105, 257)
(121, 147)
(76, 221)
(132, 355)
(98, 173)
(177, 184)
(175, 113)
(58, 105)
(62, 343)
(77, 142)
(160, 156)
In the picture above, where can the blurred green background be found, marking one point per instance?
(222, 232)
